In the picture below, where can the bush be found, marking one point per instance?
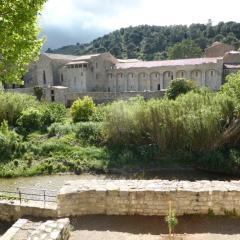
(59, 129)
(30, 120)
(180, 86)
(12, 105)
(90, 132)
(51, 113)
(83, 109)
(10, 143)
(232, 89)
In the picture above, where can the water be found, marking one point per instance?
(55, 182)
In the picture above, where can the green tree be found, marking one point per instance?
(185, 49)
(19, 44)
(180, 86)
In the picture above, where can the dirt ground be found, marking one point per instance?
(4, 227)
(154, 228)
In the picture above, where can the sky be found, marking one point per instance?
(66, 22)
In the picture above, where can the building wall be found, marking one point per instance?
(154, 79)
(218, 50)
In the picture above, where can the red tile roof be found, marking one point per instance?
(165, 63)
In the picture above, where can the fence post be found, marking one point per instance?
(20, 196)
(44, 197)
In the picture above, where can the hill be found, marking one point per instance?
(152, 42)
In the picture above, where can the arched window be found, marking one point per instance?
(44, 77)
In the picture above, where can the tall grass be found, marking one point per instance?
(193, 122)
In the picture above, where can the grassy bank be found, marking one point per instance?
(198, 129)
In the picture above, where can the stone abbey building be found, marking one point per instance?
(103, 76)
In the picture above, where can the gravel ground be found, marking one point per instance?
(154, 228)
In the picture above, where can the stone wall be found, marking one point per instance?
(104, 97)
(13, 210)
(133, 197)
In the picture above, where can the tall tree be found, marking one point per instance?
(19, 43)
(184, 49)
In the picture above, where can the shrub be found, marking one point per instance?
(82, 109)
(232, 89)
(59, 129)
(10, 142)
(180, 86)
(12, 105)
(90, 132)
(29, 121)
(52, 112)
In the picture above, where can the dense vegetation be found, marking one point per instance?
(155, 42)
(189, 127)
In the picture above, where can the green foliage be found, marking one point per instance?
(232, 89)
(38, 92)
(193, 122)
(60, 129)
(180, 86)
(185, 49)
(12, 105)
(29, 121)
(52, 112)
(90, 132)
(152, 42)
(83, 109)
(10, 143)
(19, 44)
(172, 221)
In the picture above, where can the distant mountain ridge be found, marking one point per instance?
(152, 42)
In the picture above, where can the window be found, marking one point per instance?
(159, 87)
(196, 74)
(72, 66)
(109, 89)
(52, 92)
(76, 66)
(172, 77)
(212, 73)
(96, 65)
(156, 75)
(169, 74)
(53, 98)
(44, 77)
(182, 74)
(62, 80)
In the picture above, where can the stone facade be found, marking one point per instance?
(66, 76)
(134, 197)
(218, 49)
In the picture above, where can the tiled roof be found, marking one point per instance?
(70, 57)
(60, 56)
(128, 60)
(165, 63)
